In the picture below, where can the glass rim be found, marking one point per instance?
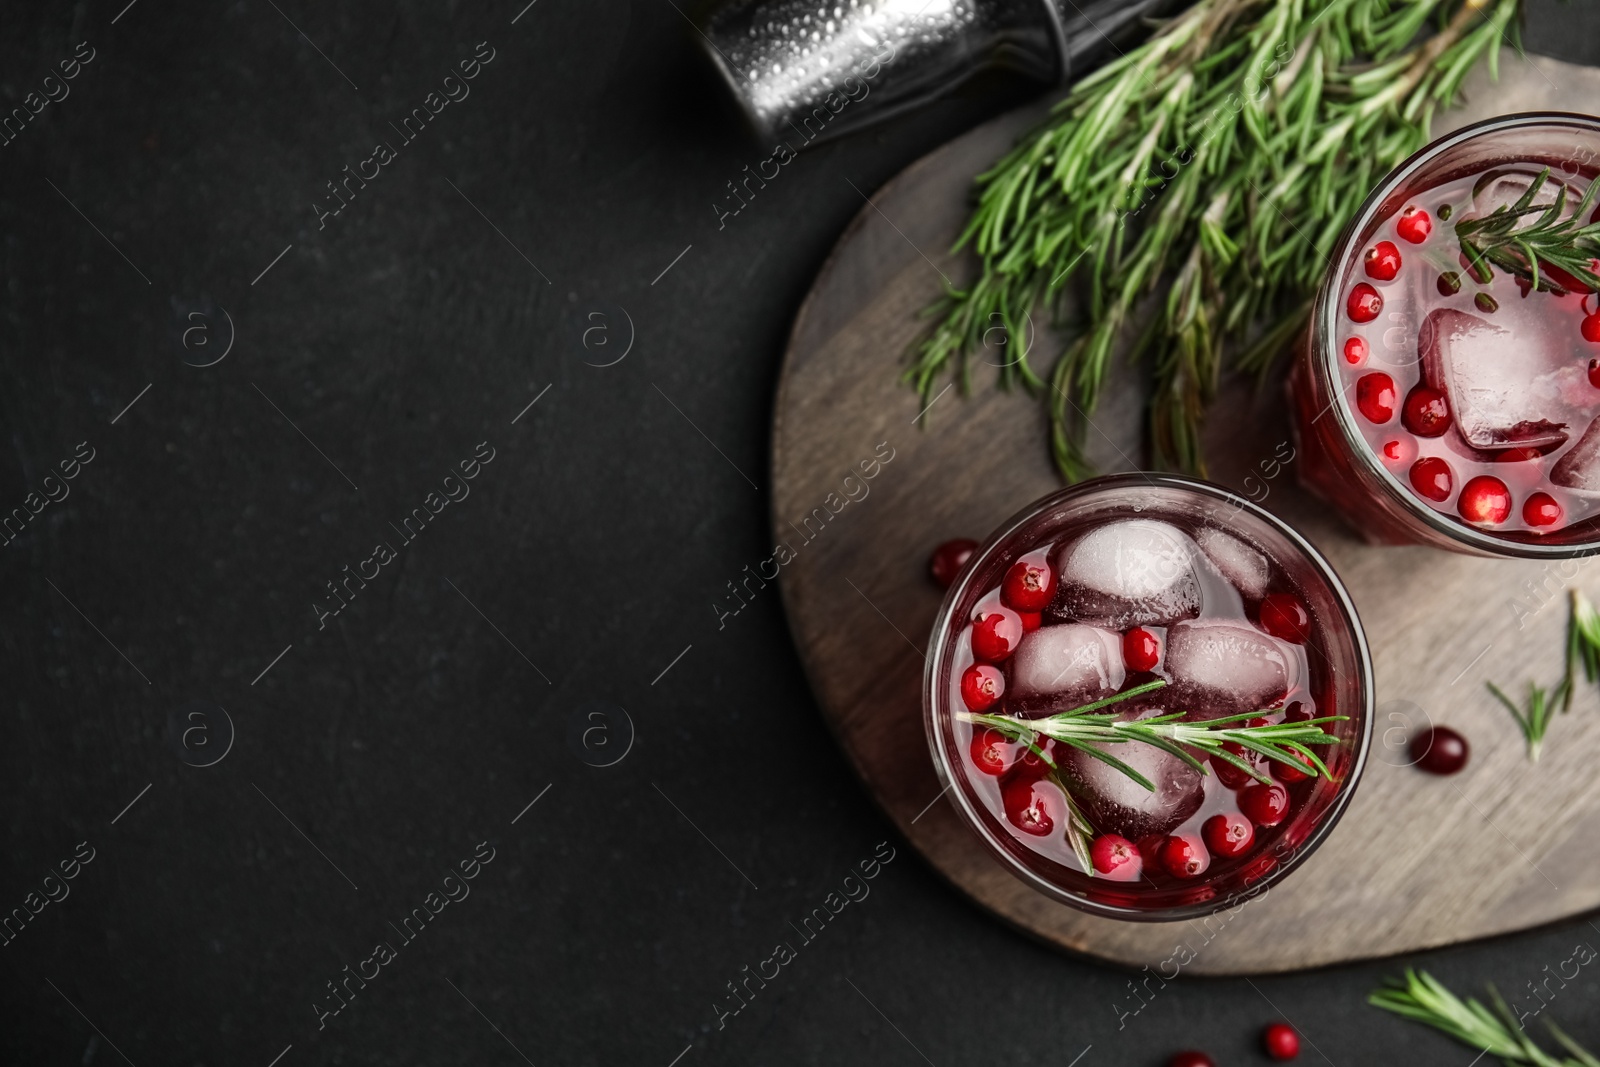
(944, 634)
(1325, 325)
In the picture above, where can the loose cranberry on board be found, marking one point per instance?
(947, 560)
(1440, 750)
(1191, 1058)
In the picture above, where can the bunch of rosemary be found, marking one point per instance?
(1216, 163)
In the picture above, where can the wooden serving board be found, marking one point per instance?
(1417, 860)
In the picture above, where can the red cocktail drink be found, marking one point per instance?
(1445, 395)
(1105, 674)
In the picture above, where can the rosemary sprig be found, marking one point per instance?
(1496, 240)
(1422, 998)
(1583, 646)
(1079, 830)
(1090, 730)
(1238, 139)
(1535, 719)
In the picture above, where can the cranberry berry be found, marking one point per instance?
(1440, 750)
(1115, 857)
(1426, 413)
(996, 632)
(1355, 351)
(1191, 1058)
(1431, 478)
(1228, 834)
(1141, 649)
(1031, 621)
(1028, 806)
(1031, 764)
(1028, 586)
(1290, 773)
(1230, 774)
(947, 560)
(988, 751)
(1364, 303)
(1376, 397)
(1285, 617)
(1541, 509)
(1414, 225)
(1383, 261)
(1280, 1041)
(1184, 856)
(981, 686)
(1590, 328)
(1485, 501)
(1264, 805)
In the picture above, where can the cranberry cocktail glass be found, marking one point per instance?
(1156, 603)
(1446, 400)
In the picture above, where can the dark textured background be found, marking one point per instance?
(416, 725)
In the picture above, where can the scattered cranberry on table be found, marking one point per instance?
(947, 560)
(1440, 750)
(1280, 1041)
(1191, 1058)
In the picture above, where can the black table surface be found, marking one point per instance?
(500, 791)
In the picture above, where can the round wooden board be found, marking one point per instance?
(1417, 861)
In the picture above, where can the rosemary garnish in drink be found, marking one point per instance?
(1499, 240)
(1090, 730)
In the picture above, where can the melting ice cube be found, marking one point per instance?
(1505, 188)
(1579, 469)
(1070, 664)
(1244, 568)
(1128, 573)
(1498, 396)
(1223, 668)
(1117, 804)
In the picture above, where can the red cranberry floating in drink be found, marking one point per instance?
(1485, 501)
(1365, 303)
(1284, 617)
(1264, 805)
(996, 633)
(1439, 750)
(1031, 621)
(1541, 509)
(1431, 477)
(1116, 857)
(1029, 586)
(988, 752)
(1375, 396)
(981, 686)
(1141, 649)
(1029, 804)
(1184, 856)
(947, 560)
(1426, 412)
(1414, 225)
(1497, 378)
(1383, 261)
(1280, 1041)
(1290, 773)
(1228, 834)
(1172, 604)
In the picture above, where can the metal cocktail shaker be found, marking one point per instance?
(829, 66)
